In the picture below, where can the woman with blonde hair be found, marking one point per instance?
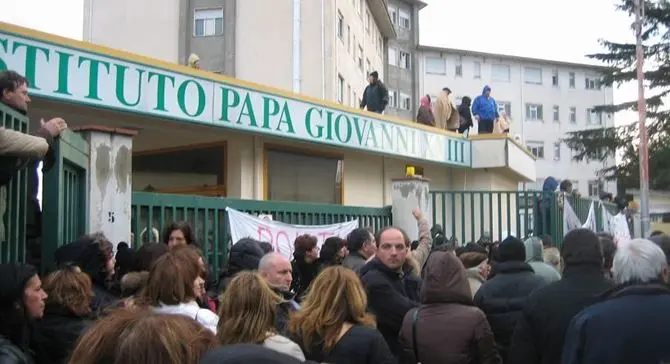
(333, 325)
(143, 337)
(247, 316)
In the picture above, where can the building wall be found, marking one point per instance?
(135, 26)
(399, 79)
(517, 92)
(216, 52)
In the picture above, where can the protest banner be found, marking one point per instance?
(279, 234)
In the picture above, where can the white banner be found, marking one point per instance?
(607, 219)
(591, 222)
(279, 234)
(571, 220)
(619, 225)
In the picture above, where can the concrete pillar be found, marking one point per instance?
(244, 168)
(110, 181)
(406, 195)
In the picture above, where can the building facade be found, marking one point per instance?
(318, 48)
(402, 74)
(544, 99)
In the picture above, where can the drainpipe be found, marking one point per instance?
(296, 46)
(323, 50)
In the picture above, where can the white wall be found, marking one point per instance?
(518, 93)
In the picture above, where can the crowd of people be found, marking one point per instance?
(370, 298)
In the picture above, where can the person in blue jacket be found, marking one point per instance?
(485, 110)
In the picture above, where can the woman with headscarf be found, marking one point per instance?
(425, 114)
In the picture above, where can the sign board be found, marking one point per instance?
(68, 71)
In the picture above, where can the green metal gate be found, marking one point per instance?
(65, 195)
(14, 196)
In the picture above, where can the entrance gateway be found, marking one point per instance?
(260, 143)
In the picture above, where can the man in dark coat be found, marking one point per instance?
(503, 297)
(376, 95)
(540, 332)
(630, 324)
(391, 285)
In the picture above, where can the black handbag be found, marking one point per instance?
(415, 318)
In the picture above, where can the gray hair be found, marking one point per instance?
(553, 257)
(638, 261)
(269, 260)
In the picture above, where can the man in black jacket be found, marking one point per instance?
(540, 332)
(376, 95)
(391, 285)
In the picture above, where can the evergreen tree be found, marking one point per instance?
(599, 144)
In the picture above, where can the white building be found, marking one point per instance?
(545, 99)
(318, 48)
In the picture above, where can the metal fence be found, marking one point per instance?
(209, 219)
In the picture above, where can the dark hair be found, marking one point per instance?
(304, 243)
(609, 249)
(472, 259)
(13, 316)
(447, 90)
(374, 74)
(475, 248)
(565, 184)
(428, 97)
(267, 247)
(330, 250)
(147, 255)
(655, 233)
(581, 247)
(182, 226)
(357, 238)
(10, 81)
(547, 241)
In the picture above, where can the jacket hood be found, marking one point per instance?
(445, 280)
(246, 353)
(466, 101)
(534, 250)
(486, 89)
(550, 184)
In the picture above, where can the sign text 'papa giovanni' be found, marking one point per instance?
(77, 75)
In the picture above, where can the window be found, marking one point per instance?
(303, 177)
(380, 45)
(208, 22)
(405, 60)
(360, 5)
(368, 20)
(403, 19)
(436, 66)
(500, 72)
(537, 148)
(360, 57)
(596, 188)
(593, 117)
(554, 78)
(393, 57)
(340, 89)
(506, 107)
(477, 70)
(573, 114)
(393, 12)
(350, 99)
(348, 39)
(393, 98)
(368, 66)
(572, 79)
(534, 112)
(591, 83)
(459, 67)
(340, 25)
(533, 75)
(405, 102)
(557, 151)
(557, 114)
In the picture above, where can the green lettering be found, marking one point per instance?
(160, 88)
(248, 111)
(181, 98)
(364, 132)
(93, 75)
(270, 108)
(329, 125)
(387, 137)
(121, 85)
(308, 123)
(347, 129)
(285, 118)
(31, 61)
(229, 99)
(401, 139)
(371, 135)
(3, 45)
(63, 73)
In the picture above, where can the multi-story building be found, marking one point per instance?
(402, 75)
(318, 48)
(545, 100)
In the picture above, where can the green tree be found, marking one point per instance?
(599, 144)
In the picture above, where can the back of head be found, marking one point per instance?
(609, 249)
(472, 259)
(245, 255)
(330, 249)
(90, 253)
(512, 249)
(171, 278)
(69, 289)
(247, 353)
(639, 261)
(663, 241)
(147, 254)
(534, 249)
(356, 238)
(581, 247)
(142, 337)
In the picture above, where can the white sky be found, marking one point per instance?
(563, 30)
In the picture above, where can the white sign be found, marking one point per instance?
(74, 74)
(620, 230)
(571, 220)
(281, 235)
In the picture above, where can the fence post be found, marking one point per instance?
(406, 195)
(110, 181)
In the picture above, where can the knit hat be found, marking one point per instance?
(13, 280)
(512, 249)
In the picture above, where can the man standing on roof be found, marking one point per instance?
(485, 110)
(376, 95)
